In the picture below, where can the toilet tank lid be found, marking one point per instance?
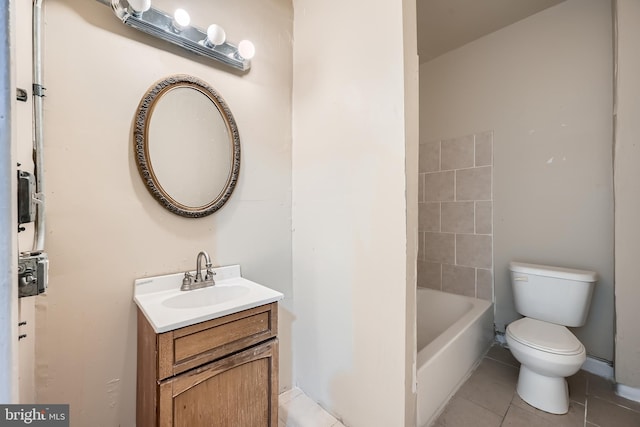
(551, 271)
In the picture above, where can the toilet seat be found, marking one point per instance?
(545, 336)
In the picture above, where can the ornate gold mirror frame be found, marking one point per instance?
(141, 136)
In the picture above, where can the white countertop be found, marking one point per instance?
(160, 298)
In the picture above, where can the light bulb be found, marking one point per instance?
(215, 35)
(139, 6)
(120, 11)
(181, 19)
(246, 49)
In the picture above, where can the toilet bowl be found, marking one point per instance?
(550, 298)
(548, 353)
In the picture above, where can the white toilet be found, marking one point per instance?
(551, 298)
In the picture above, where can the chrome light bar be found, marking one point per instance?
(162, 25)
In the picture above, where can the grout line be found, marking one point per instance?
(615, 403)
(475, 207)
(455, 248)
(465, 169)
(476, 281)
(455, 185)
(586, 402)
(474, 150)
(502, 362)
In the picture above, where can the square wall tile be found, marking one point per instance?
(439, 186)
(474, 250)
(484, 217)
(429, 216)
(440, 247)
(457, 153)
(484, 149)
(484, 284)
(473, 184)
(429, 275)
(458, 217)
(459, 280)
(429, 157)
(420, 187)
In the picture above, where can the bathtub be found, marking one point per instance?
(454, 332)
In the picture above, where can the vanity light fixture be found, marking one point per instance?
(246, 49)
(181, 19)
(215, 36)
(138, 7)
(177, 29)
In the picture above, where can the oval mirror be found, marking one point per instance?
(187, 146)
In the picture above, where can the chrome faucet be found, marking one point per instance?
(189, 284)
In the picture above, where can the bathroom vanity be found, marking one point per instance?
(208, 357)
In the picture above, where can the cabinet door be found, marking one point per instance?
(237, 391)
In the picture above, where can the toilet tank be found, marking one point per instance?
(552, 294)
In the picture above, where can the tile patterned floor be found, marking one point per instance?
(489, 399)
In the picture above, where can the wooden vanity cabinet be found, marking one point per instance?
(218, 373)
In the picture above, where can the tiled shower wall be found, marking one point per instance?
(456, 215)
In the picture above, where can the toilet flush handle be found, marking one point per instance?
(521, 279)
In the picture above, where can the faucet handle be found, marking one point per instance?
(188, 279)
(210, 273)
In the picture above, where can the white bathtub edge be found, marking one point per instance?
(450, 358)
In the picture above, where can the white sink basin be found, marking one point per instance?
(212, 295)
(166, 307)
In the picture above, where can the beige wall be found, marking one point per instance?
(543, 85)
(105, 229)
(627, 179)
(350, 248)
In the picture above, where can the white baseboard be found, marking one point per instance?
(628, 392)
(598, 367)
